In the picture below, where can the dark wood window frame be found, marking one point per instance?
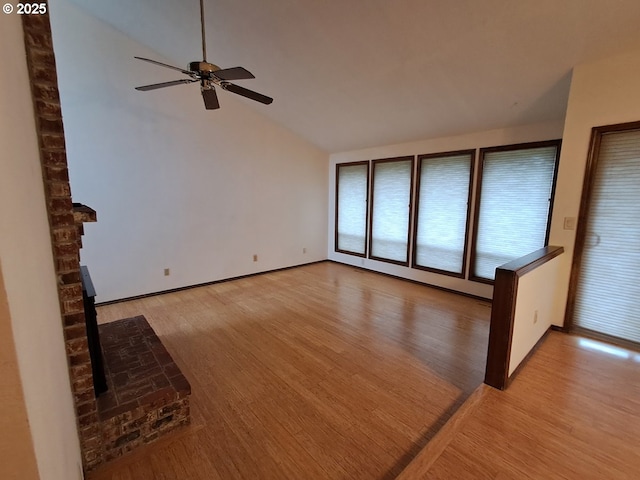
(410, 158)
(366, 240)
(478, 194)
(427, 157)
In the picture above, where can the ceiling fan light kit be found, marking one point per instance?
(209, 75)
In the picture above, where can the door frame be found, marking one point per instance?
(581, 232)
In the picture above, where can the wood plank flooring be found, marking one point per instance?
(323, 371)
(573, 412)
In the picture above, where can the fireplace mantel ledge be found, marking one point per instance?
(84, 214)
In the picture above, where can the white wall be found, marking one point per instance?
(27, 269)
(603, 92)
(539, 305)
(176, 186)
(530, 133)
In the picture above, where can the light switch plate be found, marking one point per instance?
(569, 223)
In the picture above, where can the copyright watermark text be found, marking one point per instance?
(25, 8)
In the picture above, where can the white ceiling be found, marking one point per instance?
(348, 74)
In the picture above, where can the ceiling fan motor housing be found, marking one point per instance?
(203, 68)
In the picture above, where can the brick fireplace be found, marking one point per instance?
(121, 420)
(147, 394)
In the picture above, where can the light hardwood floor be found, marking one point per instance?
(318, 372)
(573, 412)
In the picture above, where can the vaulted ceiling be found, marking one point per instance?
(351, 74)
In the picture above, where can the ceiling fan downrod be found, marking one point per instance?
(204, 43)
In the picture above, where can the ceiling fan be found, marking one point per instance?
(209, 75)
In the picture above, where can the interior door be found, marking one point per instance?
(605, 286)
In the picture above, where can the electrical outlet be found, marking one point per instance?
(535, 317)
(304, 250)
(255, 257)
(167, 272)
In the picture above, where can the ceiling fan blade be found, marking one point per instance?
(146, 88)
(235, 73)
(245, 92)
(210, 98)
(186, 72)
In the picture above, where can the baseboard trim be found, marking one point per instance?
(528, 356)
(230, 279)
(213, 282)
(417, 282)
(603, 337)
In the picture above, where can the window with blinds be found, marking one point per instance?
(608, 289)
(390, 209)
(515, 195)
(352, 191)
(442, 211)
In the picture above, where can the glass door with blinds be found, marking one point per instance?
(606, 277)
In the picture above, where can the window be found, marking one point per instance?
(515, 196)
(390, 210)
(513, 200)
(352, 191)
(443, 211)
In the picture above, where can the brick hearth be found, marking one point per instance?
(148, 395)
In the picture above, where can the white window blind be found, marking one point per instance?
(515, 199)
(443, 198)
(351, 207)
(390, 210)
(608, 287)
